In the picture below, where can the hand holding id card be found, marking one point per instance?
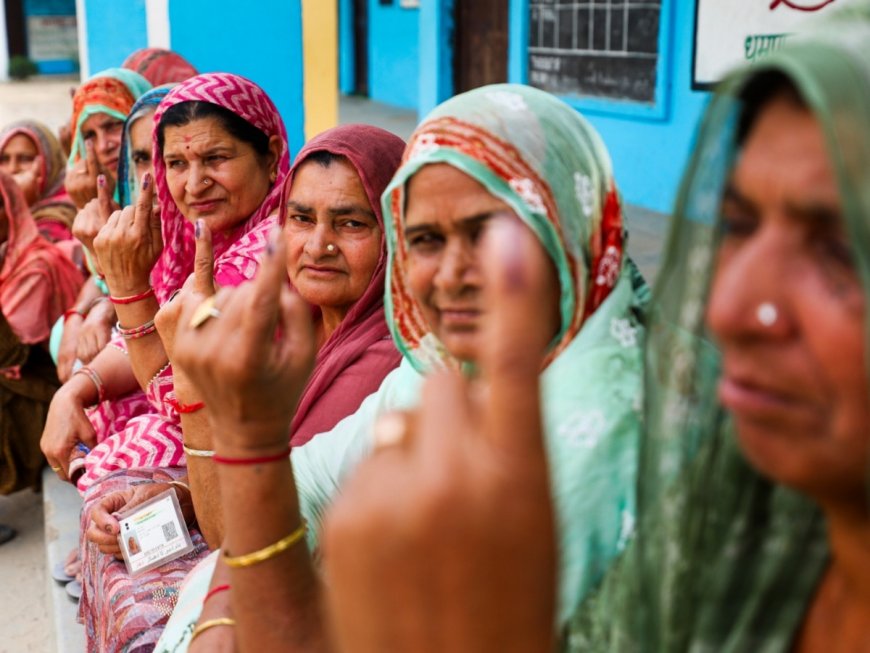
(153, 533)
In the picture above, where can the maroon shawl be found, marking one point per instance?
(358, 355)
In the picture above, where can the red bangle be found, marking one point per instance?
(184, 409)
(224, 460)
(216, 590)
(132, 299)
(73, 311)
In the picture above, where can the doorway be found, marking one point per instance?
(361, 47)
(480, 53)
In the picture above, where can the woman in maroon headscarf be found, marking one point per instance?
(337, 263)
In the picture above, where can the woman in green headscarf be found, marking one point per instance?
(762, 541)
(499, 150)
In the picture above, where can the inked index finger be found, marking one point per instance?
(517, 330)
(142, 214)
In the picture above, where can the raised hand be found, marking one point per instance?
(81, 180)
(130, 243)
(201, 282)
(444, 540)
(251, 356)
(29, 180)
(96, 330)
(94, 216)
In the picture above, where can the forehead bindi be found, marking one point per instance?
(197, 137)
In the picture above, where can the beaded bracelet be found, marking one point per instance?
(211, 623)
(251, 559)
(136, 332)
(198, 453)
(132, 299)
(97, 381)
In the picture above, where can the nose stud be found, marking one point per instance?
(330, 248)
(206, 181)
(767, 314)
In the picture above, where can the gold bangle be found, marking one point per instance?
(250, 559)
(211, 623)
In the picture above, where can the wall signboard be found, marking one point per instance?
(595, 49)
(733, 32)
(51, 38)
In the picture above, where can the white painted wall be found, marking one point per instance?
(82, 27)
(157, 16)
(4, 44)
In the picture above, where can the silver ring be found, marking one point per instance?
(767, 314)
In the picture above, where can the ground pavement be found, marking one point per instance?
(34, 623)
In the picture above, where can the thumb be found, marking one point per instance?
(203, 264)
(516, 272)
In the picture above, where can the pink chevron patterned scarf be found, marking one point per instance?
(248, 101)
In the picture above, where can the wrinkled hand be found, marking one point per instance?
(94, 216)
(252, 362)
(81, 179)
(130, 244)
(66, 425)
(29, 180)
(95, 331)
(104, 527)
(444, 540)
(200, 282)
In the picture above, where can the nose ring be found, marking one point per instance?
(767, 314)
(330, 248)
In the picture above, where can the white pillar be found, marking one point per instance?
(157, 19)
(82, 28)
(4, 44)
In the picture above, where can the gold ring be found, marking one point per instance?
(205, 311)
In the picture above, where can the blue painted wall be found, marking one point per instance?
(260, 40)
(346, 45)
(649, 145)
(394, 60)
(436, 54)
(115, 29)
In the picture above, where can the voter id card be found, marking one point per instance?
(153, 533)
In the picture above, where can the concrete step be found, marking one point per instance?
(62, 507)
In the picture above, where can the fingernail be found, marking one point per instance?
(197, 229)
(101, 180)
(146, 181)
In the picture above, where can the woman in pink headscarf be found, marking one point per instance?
(37, 284)
(220, 158)
(336, 261)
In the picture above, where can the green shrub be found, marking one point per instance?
(20, 67)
